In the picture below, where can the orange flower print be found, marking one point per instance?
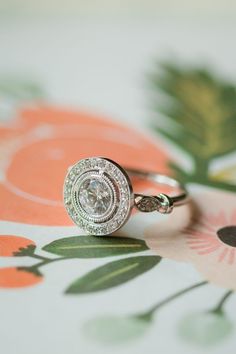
(37, 148)
(18, 278)
(202, 233)
(11, 245)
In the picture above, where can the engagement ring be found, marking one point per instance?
(99, 197)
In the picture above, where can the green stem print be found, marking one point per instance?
(35, 268)
(207, 328)
(43, 259)
(148, 314)
(220, 306)
(202, 110)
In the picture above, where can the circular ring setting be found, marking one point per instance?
(99, 198)
(98, 195)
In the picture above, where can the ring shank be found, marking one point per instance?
(178, 199)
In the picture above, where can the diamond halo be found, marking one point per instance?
(98, 195)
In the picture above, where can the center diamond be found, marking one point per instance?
(95, 196)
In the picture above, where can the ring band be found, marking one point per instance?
(99, 197)
(161, 206)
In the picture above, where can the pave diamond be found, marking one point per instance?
(98, 195)
(95, 196)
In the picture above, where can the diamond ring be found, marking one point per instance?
(99, 197)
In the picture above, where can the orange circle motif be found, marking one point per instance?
(12, 277)
(10, 244)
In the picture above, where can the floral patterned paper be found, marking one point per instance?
(41, 142)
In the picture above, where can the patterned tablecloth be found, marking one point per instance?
(164, 283)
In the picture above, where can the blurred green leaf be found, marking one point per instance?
(115, 330)
(202, 109)
(205, 329)
(203, 106)
(113, 274)
(95, 247)
(19, 89)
